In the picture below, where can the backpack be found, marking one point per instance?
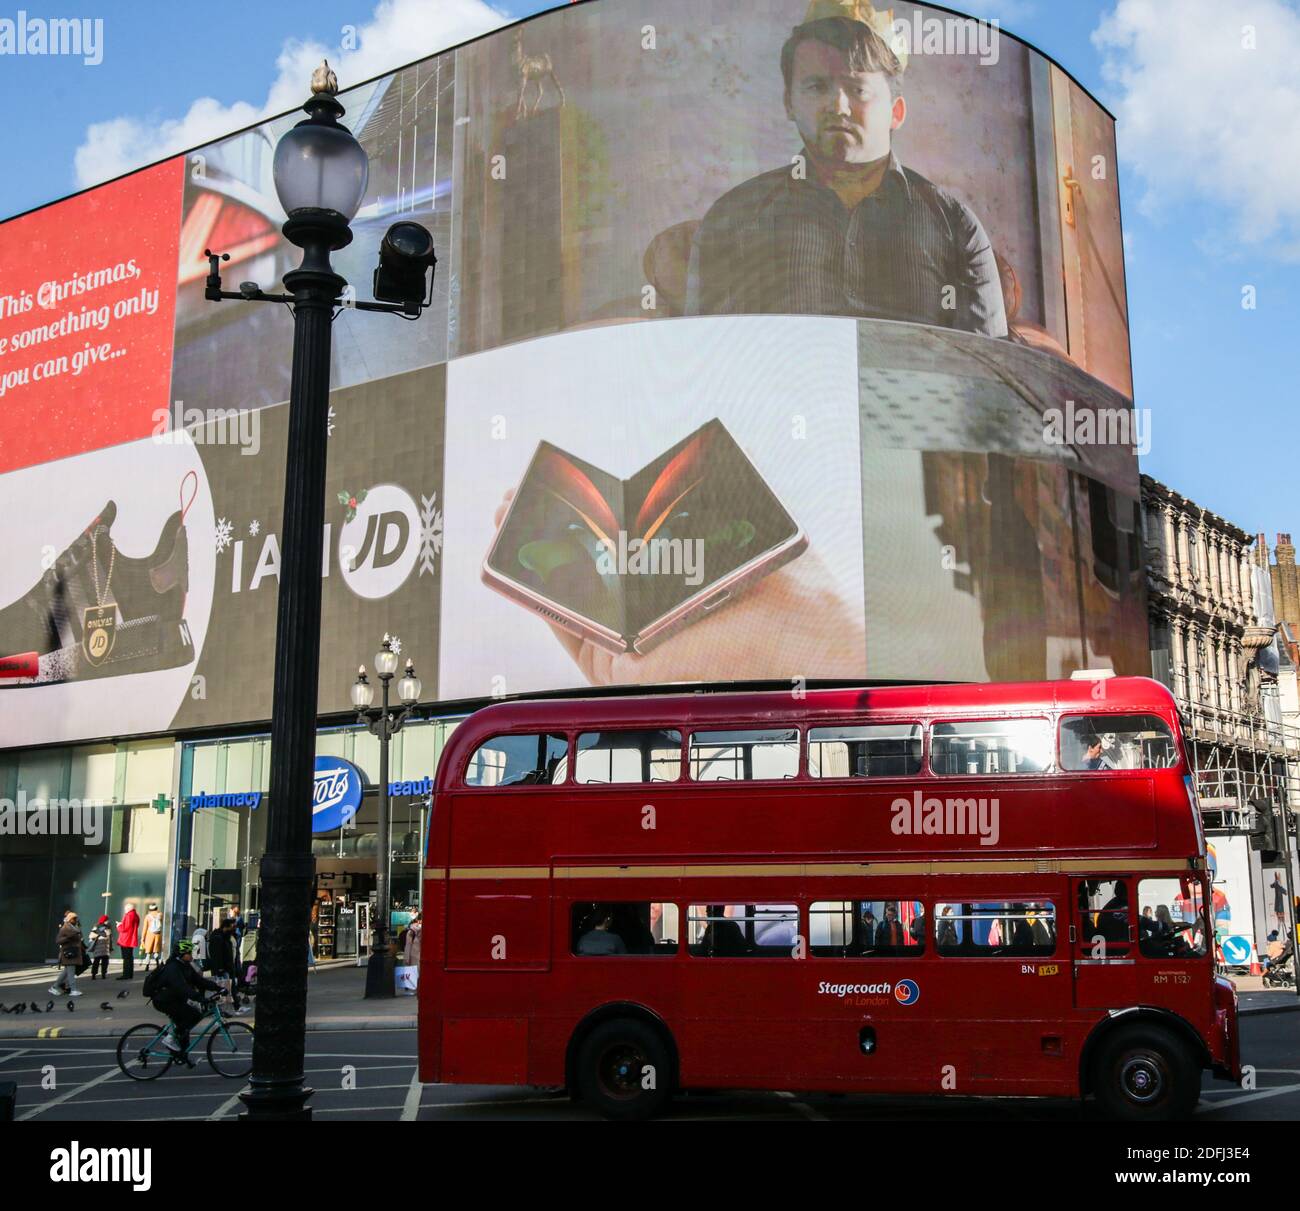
(151, 982)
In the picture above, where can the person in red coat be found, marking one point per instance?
(128, 938)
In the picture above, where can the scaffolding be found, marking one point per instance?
(1244, 764)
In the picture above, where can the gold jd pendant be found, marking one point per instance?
(98, 630)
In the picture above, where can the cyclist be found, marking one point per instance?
(178, 992)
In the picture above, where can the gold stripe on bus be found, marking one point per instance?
(789, 870)
(500, 872)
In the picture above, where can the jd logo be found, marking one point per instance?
(379, 546)
(98, 629)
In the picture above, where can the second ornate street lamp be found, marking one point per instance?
(321, 173)
(379, 970)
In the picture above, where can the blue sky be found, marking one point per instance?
(1208, 97)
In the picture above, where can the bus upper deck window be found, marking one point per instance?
(865, 751)
(744, 756)
(991, 746)
(1100, 742)
(523, 760)
(645, 755)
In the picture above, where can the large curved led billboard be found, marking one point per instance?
(769, 340)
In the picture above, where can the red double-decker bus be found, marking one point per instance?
(958, 889)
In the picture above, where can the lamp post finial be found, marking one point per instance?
(323, 80)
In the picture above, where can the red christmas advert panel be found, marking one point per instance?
(87, 298)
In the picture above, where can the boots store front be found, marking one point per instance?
(82, 828)
(222, 825)
(181, 825)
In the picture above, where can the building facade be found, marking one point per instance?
(832, 476)
(1217, 644)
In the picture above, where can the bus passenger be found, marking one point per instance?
(890, 931)
(599, 939)
(1039, 927)
(723, 938)
(946, 936)
(868, 927)
(1112, 921)
(1093, 758)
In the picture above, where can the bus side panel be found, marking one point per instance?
(485, 1051)
(431, 989)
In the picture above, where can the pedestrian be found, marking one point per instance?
(223, 965)
(72, 953)
(248, 959)
(101, 948)
(199, 939)
(128, 938)
(151, 943)
(1279, 901)
(411, 952)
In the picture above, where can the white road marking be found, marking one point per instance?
(806, 1110)
(225, 1108)
(358, 1055)
(1276, 1091)
(504, 1101)
(413, 1093)
(350, 1109)
(63, 1097)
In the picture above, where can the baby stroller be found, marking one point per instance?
(1280, 972)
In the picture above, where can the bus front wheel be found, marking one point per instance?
(1145, 1074)
(624, 1070)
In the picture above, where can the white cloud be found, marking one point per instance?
(1203, 115)
(399, 32)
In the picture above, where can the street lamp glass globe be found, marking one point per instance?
(320, 166)
(363, 693)
(385, 661)
(408, 689)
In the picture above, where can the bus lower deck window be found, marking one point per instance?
(1019, 928)
(1104, 917)
(850, 929)
(742, 931)
(624, 928)
(1171, 918)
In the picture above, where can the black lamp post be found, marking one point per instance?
(321, 173)
(379, 970)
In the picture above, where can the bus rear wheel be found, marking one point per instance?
(623, 1070)
(1145, 1074)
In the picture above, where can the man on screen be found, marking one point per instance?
(846, 229)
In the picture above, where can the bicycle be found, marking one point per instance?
(143, 1055)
